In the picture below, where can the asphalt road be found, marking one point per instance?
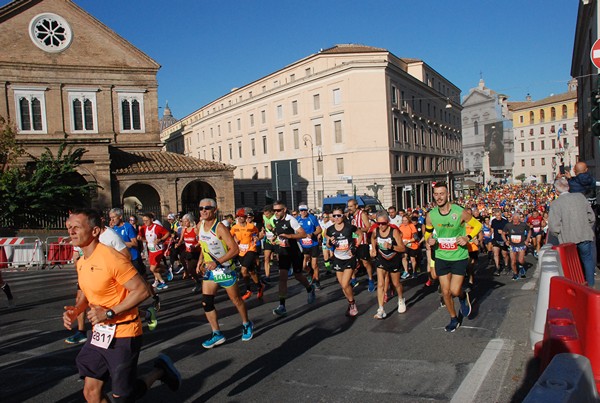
(314, 354)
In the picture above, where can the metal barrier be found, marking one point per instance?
(58, 252)
(18, 252)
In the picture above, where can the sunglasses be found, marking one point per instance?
(382, 222)
(207, 208)
(337, 215)
(277, 210)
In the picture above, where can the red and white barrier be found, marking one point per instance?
(58, 252)
(25, 252)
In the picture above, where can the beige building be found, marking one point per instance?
(546, 136)
(66, 77)
(352, 119)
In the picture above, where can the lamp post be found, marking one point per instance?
(320, 159)
(308, 139)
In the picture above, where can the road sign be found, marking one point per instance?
(407, 188)
(595, 53)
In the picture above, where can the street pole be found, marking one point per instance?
(308, 138)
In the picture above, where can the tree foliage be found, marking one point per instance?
(48, 185)
(10, 149)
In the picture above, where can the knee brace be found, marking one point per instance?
(208, 302)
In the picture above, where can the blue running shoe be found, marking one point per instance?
(522, 272)
(171, 376)
(247, 331)
(405, 275)
(515, 277)
(78, 337)
(216, 339)
(453, 325)
(170, 274)
(162, 286)
(354, 283)
(371, 285)
(280, 311)
(465, 305)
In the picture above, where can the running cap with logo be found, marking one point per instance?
(303, 207)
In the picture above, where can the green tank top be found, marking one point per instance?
(447, 228)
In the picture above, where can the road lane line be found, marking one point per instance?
(467, 391)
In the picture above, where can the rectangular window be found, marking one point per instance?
(396, 128)
(239, 149)
(251, 120)
(543, 161)
(254, 174)
(318, 137)
(264, 141)
(532, 162)
(281, 145)
(532, 146)
(521, 119)
(542, 145)
(553, 144)
(337, 96)
(253, 147)
(279, 112)
(340, 165)
(83, 112)
(405, 132)
(394, 95)
(522, 133)
(316, 102)
(337, 126)
(230, 151)
(542, 130)
(239, 124)
(132, 111)
(522, 163)
(263, 116)
(522, 147)
(229, 127)
(266, 169)
(294, 108)
(31, 111)
(296, 135)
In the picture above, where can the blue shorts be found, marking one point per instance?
(225, 277)
(516, 249)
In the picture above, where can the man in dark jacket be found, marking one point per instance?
(582, 182)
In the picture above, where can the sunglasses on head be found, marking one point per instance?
(337, 215)
(207, 208)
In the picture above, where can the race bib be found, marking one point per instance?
(154, 248)
(342, 245)
(536, 229)
(515, 238)
(222, 275)
(244, 247)
(307, 241)
(487, 234)
(102, 335)
(447, 243)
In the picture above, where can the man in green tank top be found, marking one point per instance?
(451, 253)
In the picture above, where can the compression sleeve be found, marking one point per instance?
(428, 231)
(475, 227)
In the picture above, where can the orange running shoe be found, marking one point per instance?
(247, 295)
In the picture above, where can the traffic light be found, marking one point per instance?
(596, 109)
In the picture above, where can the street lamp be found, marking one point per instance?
(320, 159)
(308, 139)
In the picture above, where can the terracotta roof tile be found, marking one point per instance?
(565, 96)
(135, 162)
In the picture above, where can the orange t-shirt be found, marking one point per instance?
(246, 237)
(101, 278)
(408, 231)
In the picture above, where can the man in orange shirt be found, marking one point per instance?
(245, 234)
(112, 290)
(410, 241)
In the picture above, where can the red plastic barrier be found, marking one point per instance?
(584, 303)
(3, 259)
(560, 336)
(59, 253)
(569, 260)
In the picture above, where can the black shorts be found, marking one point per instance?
(269, 246)
(363, 252)
(119, 362)
(474, 255)
(412, 252)
(296, 262)
(498, 244)
(339, 265)
(139, 266)
(312, 252)
(458, 267)
(393, 265)
(249, 260)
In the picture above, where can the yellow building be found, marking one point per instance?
(546, 135)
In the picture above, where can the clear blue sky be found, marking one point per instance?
(206, 48)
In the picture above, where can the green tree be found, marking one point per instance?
(521, 177)
(10, 149)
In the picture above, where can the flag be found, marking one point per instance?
(560, 130)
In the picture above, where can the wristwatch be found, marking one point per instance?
(110, 314)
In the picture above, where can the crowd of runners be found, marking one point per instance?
(123, 264)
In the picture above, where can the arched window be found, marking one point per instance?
(542, 116)
(564, 111)
(476, 127)
(553, 113)
(531, 117)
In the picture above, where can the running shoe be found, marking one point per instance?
(442, 303)
(385, 297)
(465, 305)
(162, 286)
(261, 290)
(354, 283)
(401, 305)
(78, 337)
(352, 310)
(522, 272)
(405, 275)
(467, 286)
(156, 283)
(497, 272)
(170, 274)
(371, 285)
(309, 279)
(415, 274)
(428, 283)
(280, 311)
(311, 295)
(290, 273)
(247, 331)
(380, 314)
(156, 302)
(247, 295)
(152, 322)
(180, 270)
(317, 284)
(216, 340)
(515, 277)
(171, 376)
(453, 325)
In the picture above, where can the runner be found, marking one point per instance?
(497, 224)
(155, 235)
(6, 288)
(288, 232)
(218, 250)
(325, 223)
(269, 249)
(451, 254)
(536, 223)
(310, 244)
(361, 220)
(340, 238)
(395, 219)
(487, 233)
(408, 232)
(516, 235)
(245, 235)
(191, 250)
(112, 290)
(387, 247)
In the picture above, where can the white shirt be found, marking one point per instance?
(110, 238)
